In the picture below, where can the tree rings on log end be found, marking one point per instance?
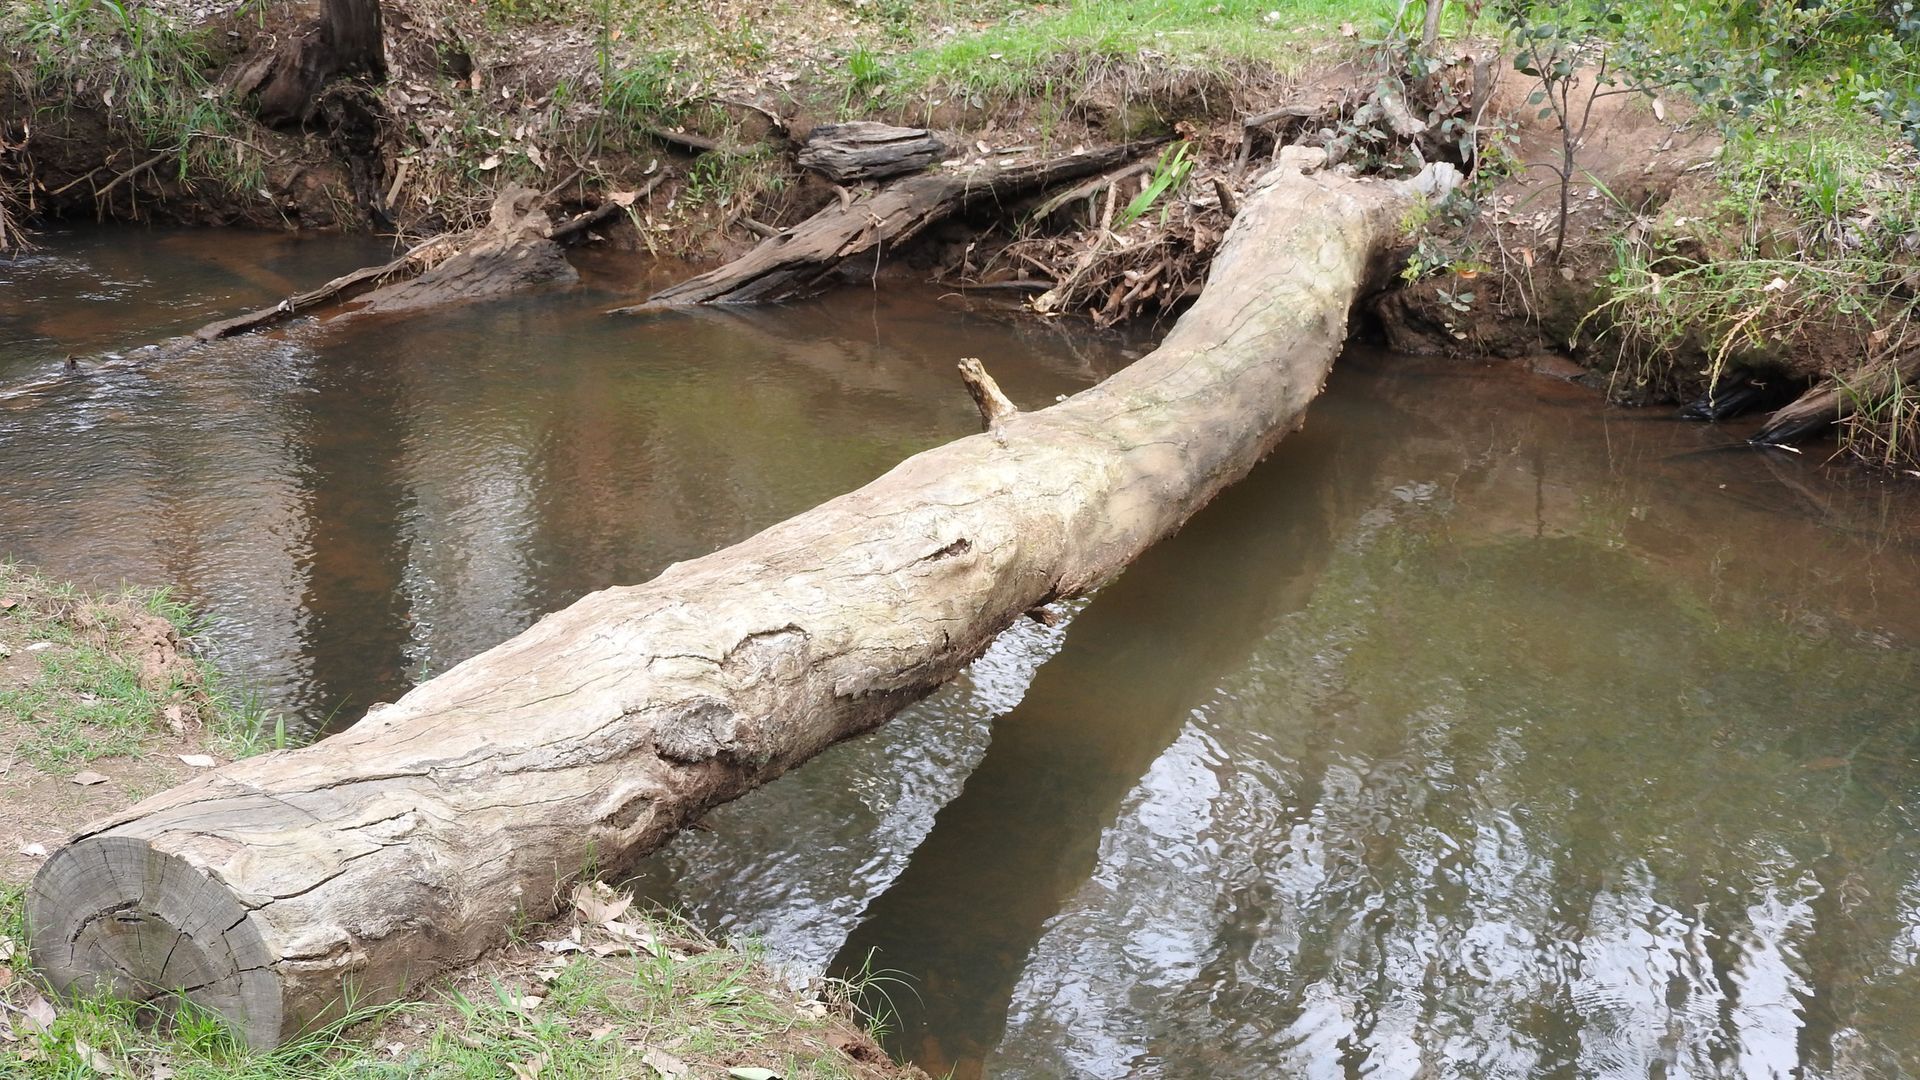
(112, 914)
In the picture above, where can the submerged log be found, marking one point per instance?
(865, 150)
(800, 260)
(282, 889)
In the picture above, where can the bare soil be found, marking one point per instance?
(1631, 164)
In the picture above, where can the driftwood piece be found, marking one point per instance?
(624, 200)
(277, 888)
(1834, 400)
(344, 287)
(1251, 124)
(515, 251)
(800, 260)
(687, 140)
(865, 150)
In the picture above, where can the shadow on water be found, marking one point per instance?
(348, 423)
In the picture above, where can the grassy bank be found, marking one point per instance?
(103, 701)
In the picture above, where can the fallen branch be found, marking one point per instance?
(800, 260)
(342, 288)
(156, 159)
(613, 205)
(1089, 189)
(272, 888)
(688, 141)
(1257, 121)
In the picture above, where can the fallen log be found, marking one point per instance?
(516, 249)
(1835, 399)
(801, 259)
(865, 150)
(513, 251)
(345, 287)
(281, 889)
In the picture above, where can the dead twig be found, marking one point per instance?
(130, 174)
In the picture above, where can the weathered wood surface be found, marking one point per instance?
(865, 150)
(273, 889)
(515, 251)
(800, 260)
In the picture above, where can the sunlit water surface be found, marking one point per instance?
(1481, 732)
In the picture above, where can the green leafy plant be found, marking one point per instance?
(1573, 67)
(1169, 174)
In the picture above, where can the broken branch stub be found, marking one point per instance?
(993, 404)
(279, 889)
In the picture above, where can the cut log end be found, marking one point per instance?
(995, 406)
(112, 914)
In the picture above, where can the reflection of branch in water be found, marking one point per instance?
(903, 345)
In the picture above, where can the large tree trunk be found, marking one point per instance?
(280, 889)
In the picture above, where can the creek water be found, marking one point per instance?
(1482, 731)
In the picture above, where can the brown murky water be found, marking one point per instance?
(1482, 732)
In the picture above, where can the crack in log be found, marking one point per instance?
(959, 547)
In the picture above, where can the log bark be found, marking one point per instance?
(864, 150)
(514, 251)
(802, 259)
(281, 889)
(517, 249)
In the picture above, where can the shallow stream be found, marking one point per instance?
(1483, 731)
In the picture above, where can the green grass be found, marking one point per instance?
(1816, 221)
(1836, 176)
(704, 1004)
(139, 66)
(87, 700)
(1032, 50)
